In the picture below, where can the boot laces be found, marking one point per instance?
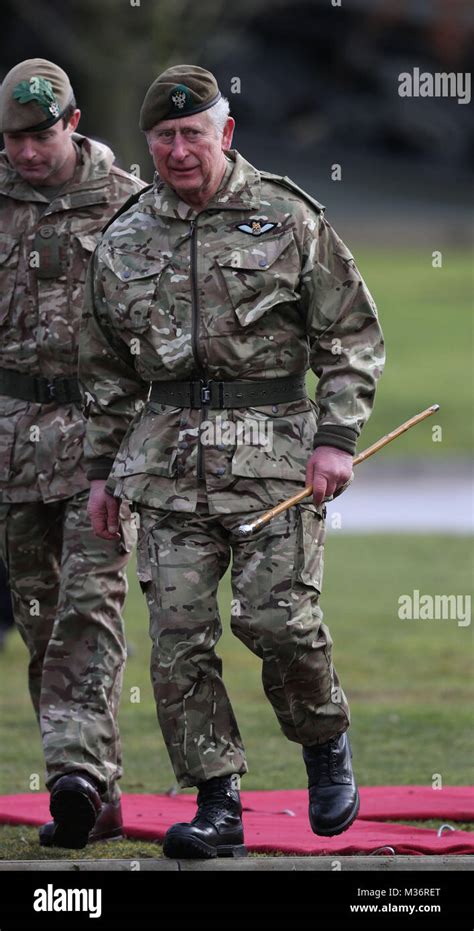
(213, 798)
(323, 765)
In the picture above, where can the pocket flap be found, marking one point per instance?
(88, 241)
(275, 447)
(256, 462)
(257, 255)
(132, 265)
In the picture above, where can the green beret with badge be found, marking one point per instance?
(34, 95)
(182, 90)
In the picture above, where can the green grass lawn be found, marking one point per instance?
(409, 684)
(426, 315)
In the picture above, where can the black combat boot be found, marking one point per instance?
(333, 795)
(80, 815)
(216, 830)
(107, 827)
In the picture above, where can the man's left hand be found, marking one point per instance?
(327, 470)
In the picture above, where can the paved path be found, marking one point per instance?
(250, 864)
(409, 497)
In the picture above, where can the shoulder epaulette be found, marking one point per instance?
(128, 203)
(291, 186)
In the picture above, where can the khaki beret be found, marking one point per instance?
(179, 91)
(33, 96)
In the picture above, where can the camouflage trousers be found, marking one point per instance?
(68, 588)
(275, 612)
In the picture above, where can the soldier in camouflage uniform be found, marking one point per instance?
(57, 189)
(221, 286)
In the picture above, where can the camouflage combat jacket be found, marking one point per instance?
(44, 254)
(254, 286)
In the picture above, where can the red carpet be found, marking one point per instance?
(277, 820)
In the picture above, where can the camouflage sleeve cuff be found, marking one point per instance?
(341, 437)
(100, 469)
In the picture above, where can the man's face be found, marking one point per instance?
(189, 154)
(39, 157)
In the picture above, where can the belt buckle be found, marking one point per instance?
(205, 392)
(44, 391)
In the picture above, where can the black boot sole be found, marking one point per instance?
(191, 848)
(338, 828)
(75, 816)
(58, 839)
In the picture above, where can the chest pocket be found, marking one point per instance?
(9, 254)
(261, 275)
(131, 285)
(82, 247)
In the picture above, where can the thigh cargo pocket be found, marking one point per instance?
(128, 528)
(309, 562)
(144, 566)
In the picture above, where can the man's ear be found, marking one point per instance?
(228, 133)
(74, 121)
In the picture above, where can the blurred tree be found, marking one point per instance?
(112, 51)
(328, 75)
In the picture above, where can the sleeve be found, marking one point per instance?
(113, 392)
(345, 339)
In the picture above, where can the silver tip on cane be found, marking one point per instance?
(245, 529)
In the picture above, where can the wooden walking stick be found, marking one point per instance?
(246, 529)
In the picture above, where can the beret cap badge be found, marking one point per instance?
(40, 91)
(180, 97)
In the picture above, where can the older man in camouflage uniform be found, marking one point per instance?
(57, 190)
(221, 286)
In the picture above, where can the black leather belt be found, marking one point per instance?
(223, 394)
(38, 388)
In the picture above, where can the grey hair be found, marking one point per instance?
(219, 114)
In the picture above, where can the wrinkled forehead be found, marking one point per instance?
(196, 121)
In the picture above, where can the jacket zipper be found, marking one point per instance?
(194, 339)
(195, 333)
(195, 298)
